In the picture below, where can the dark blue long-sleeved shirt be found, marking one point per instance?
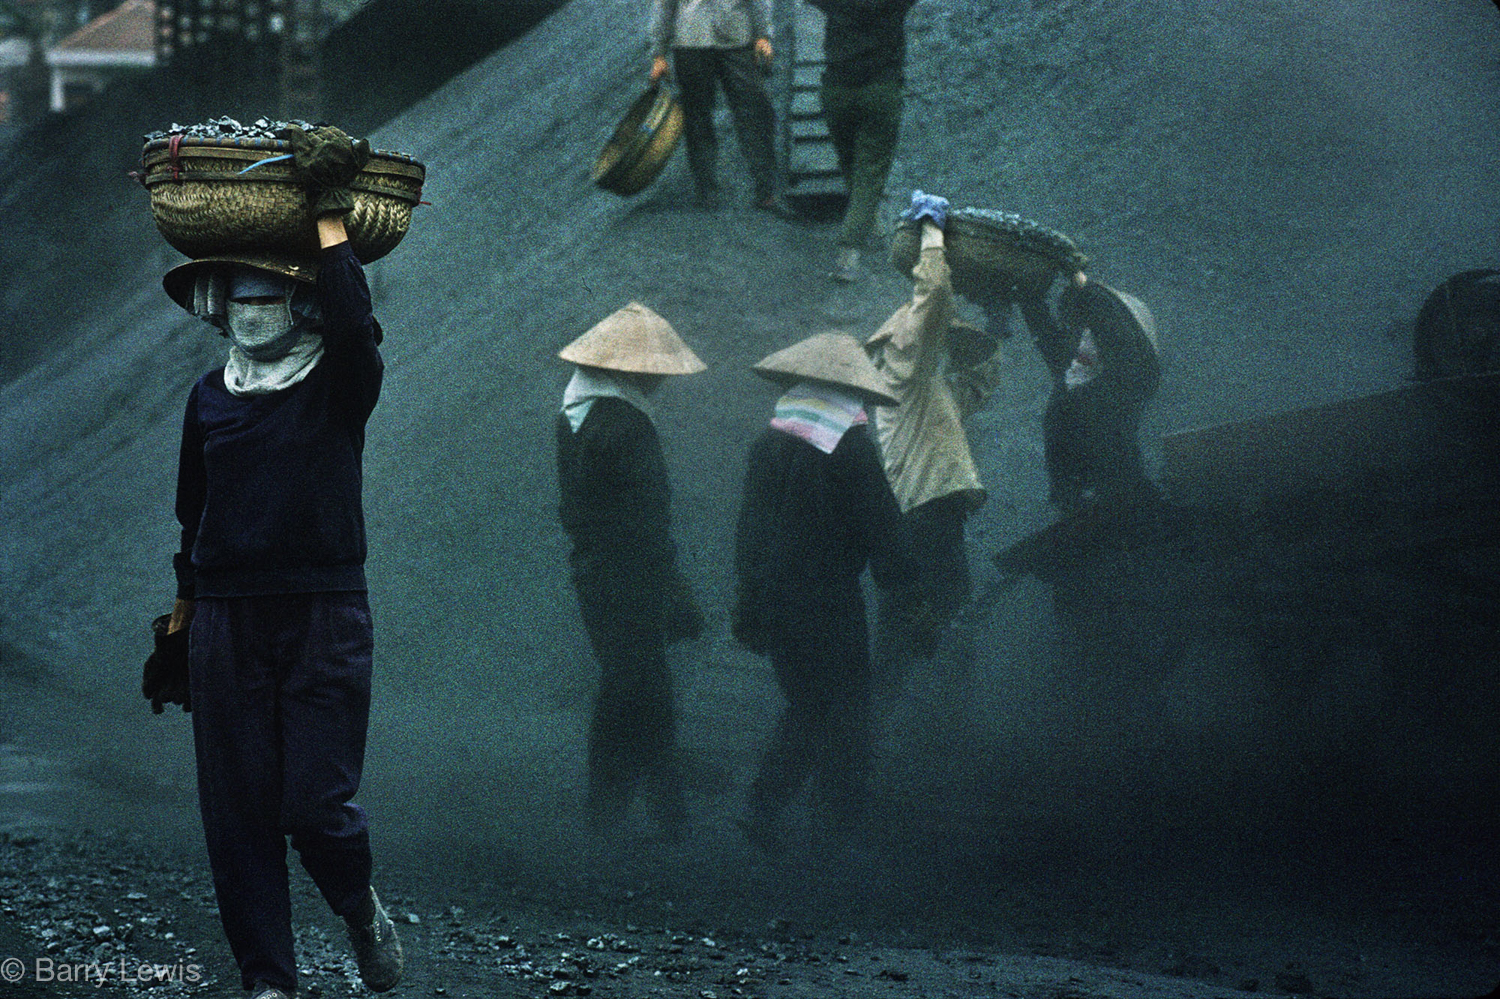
(269, 486)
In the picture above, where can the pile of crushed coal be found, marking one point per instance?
(229, 128)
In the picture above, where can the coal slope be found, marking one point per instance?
(1281, 183)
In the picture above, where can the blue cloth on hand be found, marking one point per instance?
(928, 206)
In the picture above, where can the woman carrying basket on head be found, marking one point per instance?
(270, 640)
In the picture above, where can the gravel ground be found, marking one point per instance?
(97, 912)
(504, 895)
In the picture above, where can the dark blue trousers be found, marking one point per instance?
(632, 738)
(281, 703)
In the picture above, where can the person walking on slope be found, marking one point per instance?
(271, 628)
(940, 372)
(725, 44)
(1100, 349)
(615, 505)
(864, 75)
(817, 509)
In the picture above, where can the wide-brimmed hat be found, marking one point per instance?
(180, 280)
(636, 340)
(1099, 306)
(833, 358)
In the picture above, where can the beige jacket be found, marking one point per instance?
(922, 441)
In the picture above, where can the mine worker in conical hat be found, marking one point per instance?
(615, 505)
(1100, 348)
(942, 371)
(270, 641)
(1093, 422)
(816, 510)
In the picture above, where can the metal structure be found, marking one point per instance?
(203, 36)
(1290, 542)
(812, 182)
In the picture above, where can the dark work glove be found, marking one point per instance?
(327, 161)
(927, 206)
(165, 678)
(683, 620)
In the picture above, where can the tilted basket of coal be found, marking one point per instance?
(987, 248)
(209, 196)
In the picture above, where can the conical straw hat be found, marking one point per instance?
(635, 340)
(833, 358)
(1144, 320)
(1096, 304)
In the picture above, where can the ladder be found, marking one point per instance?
(275, 42)
(811, 180)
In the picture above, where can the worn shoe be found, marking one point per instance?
(264, 991)
(845, 265)
(377, 949)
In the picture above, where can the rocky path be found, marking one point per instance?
(89, 913)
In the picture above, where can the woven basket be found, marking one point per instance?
(641, 144)
(986, 248)
(204, 206)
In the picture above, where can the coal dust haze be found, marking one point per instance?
(1242, 742)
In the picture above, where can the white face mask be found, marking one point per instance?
(264, 332)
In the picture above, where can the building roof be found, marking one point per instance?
(14, 52)
(126, 36)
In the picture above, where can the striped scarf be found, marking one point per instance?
(817, 413)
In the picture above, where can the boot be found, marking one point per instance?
(264, 991)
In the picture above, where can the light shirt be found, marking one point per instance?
(922, 441)
(708, 24)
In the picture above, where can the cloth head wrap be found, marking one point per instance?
(252, 282)
(591, 384)
(274, 344)
(819, 414)
(213, 287)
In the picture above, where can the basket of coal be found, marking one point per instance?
(986, 248)
(222, 187)
(641, 144)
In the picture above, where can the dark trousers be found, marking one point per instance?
(1091, 440)
(281, 702)
(864, 123)
(632, 738)
(935, 530)
(699, 72)
(823, 669)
